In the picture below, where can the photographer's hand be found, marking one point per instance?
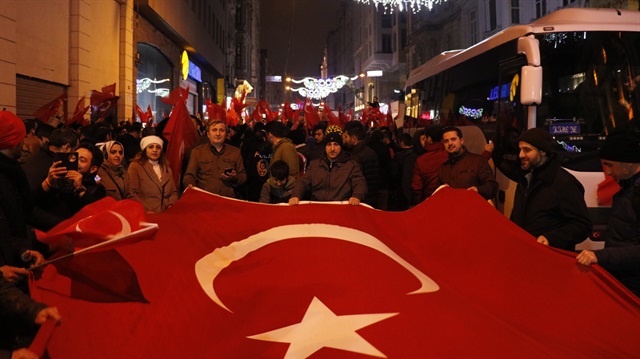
(76, 178)
(55, 173)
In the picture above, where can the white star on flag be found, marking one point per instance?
(320, 328)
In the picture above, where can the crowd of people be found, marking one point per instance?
(48, 174)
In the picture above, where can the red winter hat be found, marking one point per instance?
(12, 130)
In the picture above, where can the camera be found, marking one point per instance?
(69, 160)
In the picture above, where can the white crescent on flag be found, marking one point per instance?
(210, 266)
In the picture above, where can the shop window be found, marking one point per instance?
(154, 80)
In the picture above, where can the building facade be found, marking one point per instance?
(146, 47)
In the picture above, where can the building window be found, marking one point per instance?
(515, 11)
(153, 80)
(238, 54)
(386, 21)
(493, 16)
(473, 27)
(541, 8)
(386, 43)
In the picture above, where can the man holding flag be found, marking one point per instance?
(216, 167)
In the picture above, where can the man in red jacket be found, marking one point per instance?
(425, 171)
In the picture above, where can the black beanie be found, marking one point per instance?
(621, 147)
(333, 137)
(539, 138)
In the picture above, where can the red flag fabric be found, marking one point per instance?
(232, 118)
(287, 111)
(179, 94)
(50, 109)
(606, 190)
(329, 116)
(215, 111)
(99, 226)
(109, 90)
(86, 265)
(342, 118)
(141, 114)
(103, 103)
(349, 281)
(181, 135)
(265, 109)
(78, 113)
(311, 114)
(149, 114)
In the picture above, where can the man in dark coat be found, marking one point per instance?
(464, 169)
(353, 137)
(549, 201)
(18, 315)
(334, 177)
(620, 158)
(16, 238)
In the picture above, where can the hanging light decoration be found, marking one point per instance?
(320, 88)
(414, 5)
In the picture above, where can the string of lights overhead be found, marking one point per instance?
(319, 88)
(403, 5)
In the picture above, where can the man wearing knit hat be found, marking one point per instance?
(620, 157)
(549, 201)
(334, 177)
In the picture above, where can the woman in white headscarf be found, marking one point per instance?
(113, 175)
(151, 178)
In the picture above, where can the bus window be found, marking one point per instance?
(590, 89)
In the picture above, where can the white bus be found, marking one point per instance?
(574, 72)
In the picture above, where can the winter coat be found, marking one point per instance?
(332, 181)
(154, 194)
(621, 254)
(469, 170)
(116, 182)
(286, 151)
(206, 166)
(425, 171)
(553, 206)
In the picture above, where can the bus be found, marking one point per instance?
(574, 72)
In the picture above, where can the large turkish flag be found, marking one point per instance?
(451, 277)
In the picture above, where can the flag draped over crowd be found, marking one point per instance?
(440, 280)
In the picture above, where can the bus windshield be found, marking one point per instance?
(590, 82)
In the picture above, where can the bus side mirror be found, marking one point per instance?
(531, 85)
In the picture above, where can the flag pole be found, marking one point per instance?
(144, 227)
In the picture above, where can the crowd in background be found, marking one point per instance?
(49, 174)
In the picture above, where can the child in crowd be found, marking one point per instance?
(277, 189)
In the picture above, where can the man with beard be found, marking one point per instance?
(66, 191)
(334, 177)
(549, 201)
(464, 169)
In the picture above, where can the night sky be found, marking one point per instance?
(304, 24)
